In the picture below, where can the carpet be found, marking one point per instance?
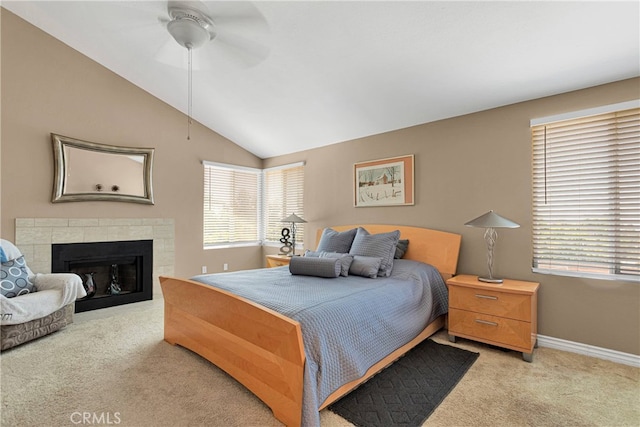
(408, 391)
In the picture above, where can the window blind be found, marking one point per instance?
(231, 205)
(586, 196)
(283, 195)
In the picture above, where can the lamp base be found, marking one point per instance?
(490, 280)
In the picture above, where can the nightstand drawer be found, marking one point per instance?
(513, 333)
(513, 306)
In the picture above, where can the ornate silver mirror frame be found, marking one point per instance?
(88, 171)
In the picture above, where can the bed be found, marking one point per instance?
(265, 350)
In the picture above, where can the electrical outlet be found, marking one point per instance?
(225, 266)
(204, 269)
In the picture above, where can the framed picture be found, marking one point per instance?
(384, 182)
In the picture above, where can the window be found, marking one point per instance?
(586, 193)
(283, 195)
(231, 205)
(245, 206)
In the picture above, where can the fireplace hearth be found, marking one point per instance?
(121, 272)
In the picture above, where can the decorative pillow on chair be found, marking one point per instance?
(14, 279)
(382, 245)
(336, 241)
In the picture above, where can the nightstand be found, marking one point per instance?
(504, 315)
(277, 260)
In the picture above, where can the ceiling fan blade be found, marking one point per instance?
(246, 52)
(128, 13)
(223, 12)
(133, 21)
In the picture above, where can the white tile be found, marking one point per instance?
(84, 222)
(96, 234)
(51, 222)
(67, 235)
(163, 232)
(24, 222)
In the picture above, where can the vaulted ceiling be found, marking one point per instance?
(287, 76)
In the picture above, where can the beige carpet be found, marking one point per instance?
(113, 367)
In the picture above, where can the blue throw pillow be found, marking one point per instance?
(312, 266)
(14, 279)
(345, 259)
(3, 256)
(336, 241)
(401, 248)
(365, 266)
(382, 245)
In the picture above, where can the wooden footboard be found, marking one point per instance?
(263, 349)
(260, 348)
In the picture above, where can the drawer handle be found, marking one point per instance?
(486, 297)
(486, 322)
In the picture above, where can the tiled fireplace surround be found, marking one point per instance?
(34, 237)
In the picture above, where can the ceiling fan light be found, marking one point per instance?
(188, 33)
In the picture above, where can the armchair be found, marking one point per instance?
(33, 305)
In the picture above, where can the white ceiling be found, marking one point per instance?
(336, 71)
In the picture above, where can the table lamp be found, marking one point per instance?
(490, 221)
(293, 219)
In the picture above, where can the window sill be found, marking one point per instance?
(614, 277)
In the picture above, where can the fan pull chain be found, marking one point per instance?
(190, 107)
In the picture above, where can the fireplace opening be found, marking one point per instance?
(113, 273)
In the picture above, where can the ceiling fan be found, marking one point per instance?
(234, 30)
(189, 26)
(228, 29)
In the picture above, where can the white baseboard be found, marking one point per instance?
(590, 350)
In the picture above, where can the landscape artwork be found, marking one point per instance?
(384, 182)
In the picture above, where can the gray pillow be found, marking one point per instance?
(382, 245)
(336, 241)
(14, 279)
(345, 259)
(312, 266)
(401, 248)
(365, 266)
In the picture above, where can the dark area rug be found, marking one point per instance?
(408, 391)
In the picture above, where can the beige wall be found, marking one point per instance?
(465, 166)
(48, 87)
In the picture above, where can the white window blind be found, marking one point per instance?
(586, 196)
(231, 205)
(283, 195)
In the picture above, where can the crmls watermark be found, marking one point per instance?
(6, 316)
(96, 418)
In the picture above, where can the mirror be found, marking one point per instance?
(87, 171)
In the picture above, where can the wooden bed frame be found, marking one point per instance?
(263, 349)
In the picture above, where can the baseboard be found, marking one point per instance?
(590, 350)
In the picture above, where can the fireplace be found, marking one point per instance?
(121, 271)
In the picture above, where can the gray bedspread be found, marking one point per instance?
(348, 323)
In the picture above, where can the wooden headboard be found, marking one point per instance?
(438, 248)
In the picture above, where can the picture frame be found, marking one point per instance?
(384, 182)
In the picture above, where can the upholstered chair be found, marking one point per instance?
(33, 305)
